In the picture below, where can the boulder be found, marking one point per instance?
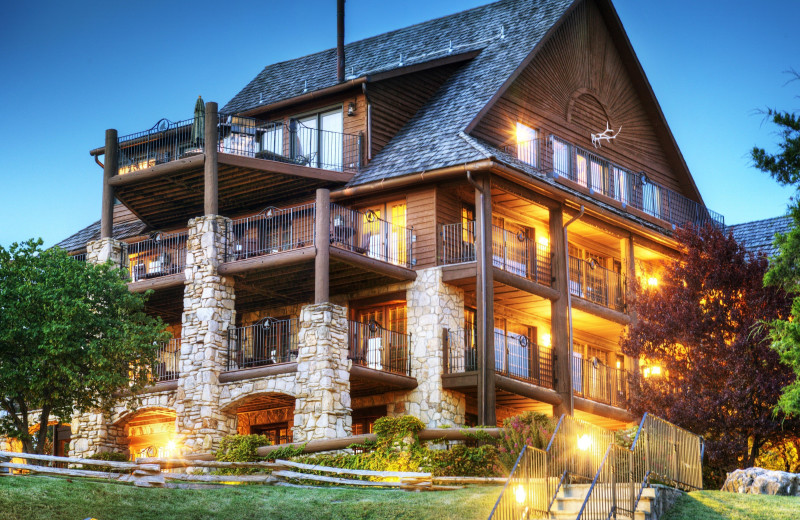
(759, 481)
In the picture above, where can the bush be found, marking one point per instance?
(465, 461)
(241, 448)
(528, 429)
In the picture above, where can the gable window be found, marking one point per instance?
(527, 144)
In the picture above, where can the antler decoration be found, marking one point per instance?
(607, 135)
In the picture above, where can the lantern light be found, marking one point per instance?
(584, 442)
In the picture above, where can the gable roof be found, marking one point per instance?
(121, 231)
(758, 236)
(504, 32)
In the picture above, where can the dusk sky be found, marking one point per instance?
(72, 69)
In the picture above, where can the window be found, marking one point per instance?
(278, 433)
(527, 151)
(272, 140)
(384, 233)
(562, 157)
(318, 140)
(651, 195)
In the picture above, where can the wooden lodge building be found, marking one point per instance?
(445, 220)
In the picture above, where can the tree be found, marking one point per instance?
(702, 325)
(784, 270)
(72, 336)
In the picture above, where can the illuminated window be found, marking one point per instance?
(527, 150)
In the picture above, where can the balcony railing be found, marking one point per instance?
(373, 346)
(595, 283)
(518, 356)
(368, 234)
(160, 255)
(269, 341)
(460, 351)
(272, 231)
(512, 252)
(168, 361)
(166, 141)
(596, 381)
(291, 143)
(600, 175)
(80, 257)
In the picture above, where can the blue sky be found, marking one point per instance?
(72, 69)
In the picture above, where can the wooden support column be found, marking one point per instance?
(110, 169)
(484, 293)
(629, 268)
(322, 240)
(562, 357)
(211, 146)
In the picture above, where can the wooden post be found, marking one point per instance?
(322, 239)
(562, 357)
(211, 202)
(629, 271)
(485, 300)
(110, 169)
(445, 351)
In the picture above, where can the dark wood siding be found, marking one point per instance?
(421, 206)
(574, 85)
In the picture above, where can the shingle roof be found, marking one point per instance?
(121, 231)
(758, 236)
(505, 32)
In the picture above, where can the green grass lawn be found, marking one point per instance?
(721, 505)
(34, 498)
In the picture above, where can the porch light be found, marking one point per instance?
(519, 494)
(544, 241)
(652, 371)
(546, 340)
(584, 442)
(652, 281)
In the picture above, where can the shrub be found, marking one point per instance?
(241, 448)
(528, 429)
(465, 461)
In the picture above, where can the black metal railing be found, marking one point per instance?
(460, 350)
(167, 367)
(530, 152)
(290, 142)
(368, 234)
(79, 257)
(160, 255)
(592, 282)
(166, 141)
(599, 382)
(520, 357)
(273, 230)
(268, 341)
(515, 253)
(373, 346)
(600, 175)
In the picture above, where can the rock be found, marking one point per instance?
(759, 481)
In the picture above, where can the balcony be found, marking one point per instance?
(593, 380)
(272, 231)
(158, 256)
(377, 348)
(596, 284)
(598, 174)
(269, 341)
(513, 253)
(168, 361)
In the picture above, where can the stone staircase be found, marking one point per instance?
(653, 504)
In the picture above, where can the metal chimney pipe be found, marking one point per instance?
(339, 41)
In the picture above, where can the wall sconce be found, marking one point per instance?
(584, 442)
(652, 281)
(546, 340)
(351, 109)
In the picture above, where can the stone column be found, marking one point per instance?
(322, 406)
(93, 433)
(208, 312)
(432, 306)
(104, 249)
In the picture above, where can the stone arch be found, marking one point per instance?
(267, 413)
(148, 431)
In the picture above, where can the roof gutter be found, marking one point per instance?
(447, 173)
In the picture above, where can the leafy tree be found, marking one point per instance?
(784, 271)
(702, 326)
(72, 336)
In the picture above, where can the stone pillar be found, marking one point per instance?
(93, 433)
(104, 249)
(322, 406)
(208, 312)
(432, 306)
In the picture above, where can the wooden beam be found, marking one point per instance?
(603, 410)
(458, 272)
(380, 376)
(529, 390)
(110, 170)
(259, 372)
(211, 170)
(270, 261)
(523, 284)
(460, 381)
(162, 282)
(525, 193)
(559, 328)
(601, 311)
(484, 290)
(372, 264)
(322, 242)
(294, 170)
(160, 170)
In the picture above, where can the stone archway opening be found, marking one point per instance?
(151, 433)
(269, 414)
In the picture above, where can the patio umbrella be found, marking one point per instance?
(199, 123)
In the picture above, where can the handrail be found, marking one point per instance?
(272, 230)
(368, 234)
(266, 342)
(373, 346)
(161, 254)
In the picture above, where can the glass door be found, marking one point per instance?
(331, 145)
